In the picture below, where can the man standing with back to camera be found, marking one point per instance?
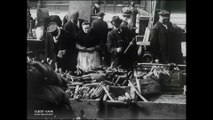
(164, 40)
(100, 29)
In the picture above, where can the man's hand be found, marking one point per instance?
(61, 53)
(91, 49)
(48, 61)
(119, 49)
(157, 61)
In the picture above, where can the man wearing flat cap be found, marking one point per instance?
(164, 42)
(65, 49)
(100, 29)
(117, 41)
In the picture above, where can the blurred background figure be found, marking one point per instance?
(42, 20)
(130, 16)
(30, 24)
(134, 13)
(49, 42)
(96, 8)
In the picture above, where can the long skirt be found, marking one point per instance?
(87, 61)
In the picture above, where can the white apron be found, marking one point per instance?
(87, 61)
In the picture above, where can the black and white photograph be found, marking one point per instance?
(106, 59)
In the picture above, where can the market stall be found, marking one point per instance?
(150, 91)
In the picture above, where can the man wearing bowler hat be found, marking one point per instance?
(117, 41)
(65, 49)
(100, 29)
(164, 42)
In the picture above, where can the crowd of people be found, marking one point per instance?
(75, 43)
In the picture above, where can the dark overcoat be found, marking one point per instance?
(100, 29)
(73, 28)
(122, 39)
(68, 43)
(165, 44)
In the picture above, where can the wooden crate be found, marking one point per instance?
(90, 107)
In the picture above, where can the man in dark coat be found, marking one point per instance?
(100, 30)
(134, 13)
(65, 49)
(164, 42)
(117, 41)
(72, 23)
(130, 16)
(49, 43)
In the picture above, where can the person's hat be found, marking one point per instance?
(132, 3)
(101, 14)
(116, 20)
(73, 14)
(56, 19)
(126, 11)
(51, 27)
(164, 13)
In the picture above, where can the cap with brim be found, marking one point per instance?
(116, 20)
(101, 14)
(73, 14)
(164, 13)
(51, 27)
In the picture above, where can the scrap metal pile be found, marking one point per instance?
(85, 91)
(169, 76)
(117, 84)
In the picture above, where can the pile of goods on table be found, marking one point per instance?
(116, 84)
